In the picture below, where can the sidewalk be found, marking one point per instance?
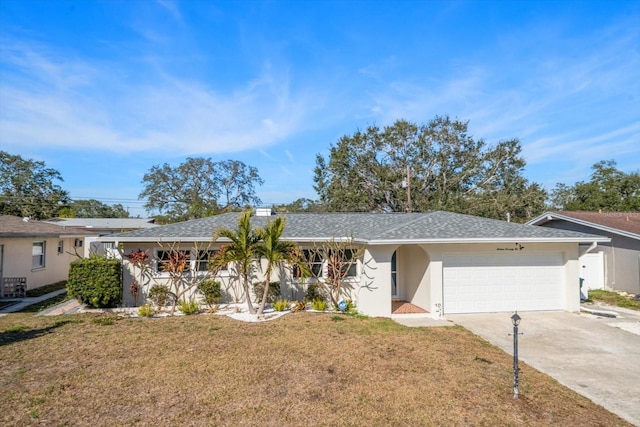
(25, 302)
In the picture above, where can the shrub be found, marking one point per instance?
(281, 304)
(188, 307)
(96, 281)
(211, 292)
(274, 291)
(319, 304)
(146, 311)
(160, 295)
(314, 292)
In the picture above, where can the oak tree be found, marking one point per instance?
(435, 166)
(28, 188)
(199, 187)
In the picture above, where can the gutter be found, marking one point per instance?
(590, 248)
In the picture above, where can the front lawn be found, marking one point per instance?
(302, 369)
(613, 298)
(46, 289)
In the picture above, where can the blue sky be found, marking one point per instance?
(102, 91)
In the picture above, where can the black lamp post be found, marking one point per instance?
(515, 319)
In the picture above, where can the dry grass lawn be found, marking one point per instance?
(302, 369)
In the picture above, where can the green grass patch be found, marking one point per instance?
(16, 328)
(42, 305)
(613, 298)
(42, 290)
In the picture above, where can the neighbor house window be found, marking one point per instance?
(108, 245)
(173, 261)
(37, 255)
(78, 243)
(60, 247)
(203, 258)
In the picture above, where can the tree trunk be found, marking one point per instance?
(247, 293)
(267, 282)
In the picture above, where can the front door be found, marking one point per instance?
(394, 276)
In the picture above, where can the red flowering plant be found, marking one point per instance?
(139, 259)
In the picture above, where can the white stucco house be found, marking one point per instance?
(608, 265)
(442, 262)
(38, 252)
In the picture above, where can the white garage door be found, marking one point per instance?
(480, 283)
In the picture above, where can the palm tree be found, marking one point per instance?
(277, 252)
(241, 251)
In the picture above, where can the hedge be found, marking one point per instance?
(96, 281)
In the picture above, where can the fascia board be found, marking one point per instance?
(491, 240)
(596, 226)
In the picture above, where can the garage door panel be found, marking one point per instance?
(490, 283)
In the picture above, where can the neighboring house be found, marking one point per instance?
(612, 265)
(442, 262)
(103, 227)
(37, 251)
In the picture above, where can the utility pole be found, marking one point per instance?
(409, 207)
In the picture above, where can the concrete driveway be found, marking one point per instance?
(597, 357)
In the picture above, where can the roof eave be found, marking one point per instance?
(549, 216)
(467, 240)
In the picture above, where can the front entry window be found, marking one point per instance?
(394, 276)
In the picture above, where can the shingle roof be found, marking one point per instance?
(625, 223)
(370, 228)
(13, 226)
(105, 223)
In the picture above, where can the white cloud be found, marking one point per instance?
(53, 101)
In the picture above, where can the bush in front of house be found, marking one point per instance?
(211, 291)
(274, 291)
(96, 281)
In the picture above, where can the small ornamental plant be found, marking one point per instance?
(146, 311)
(319, 304)
(281, 304)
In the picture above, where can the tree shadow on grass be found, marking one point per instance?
(13, 335)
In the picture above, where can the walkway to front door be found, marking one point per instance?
(404, 307)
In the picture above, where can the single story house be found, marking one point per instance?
(442, 262)
(612, 265)
(38, 252)
(102, 227)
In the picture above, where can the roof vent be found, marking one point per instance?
(263, 212)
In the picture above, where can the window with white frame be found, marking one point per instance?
(172, 260)
(60, 247)
(314, 262)
(37, 255)
(350, 263)
(78, 243)
(203, 257)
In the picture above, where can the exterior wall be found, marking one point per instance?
(17, 260)
(622, 256)
(420, 276)
(413, 280)
(232, 289)
(374, 296)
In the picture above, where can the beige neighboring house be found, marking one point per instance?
(36, 251)
(439, 262)
(611, 265)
